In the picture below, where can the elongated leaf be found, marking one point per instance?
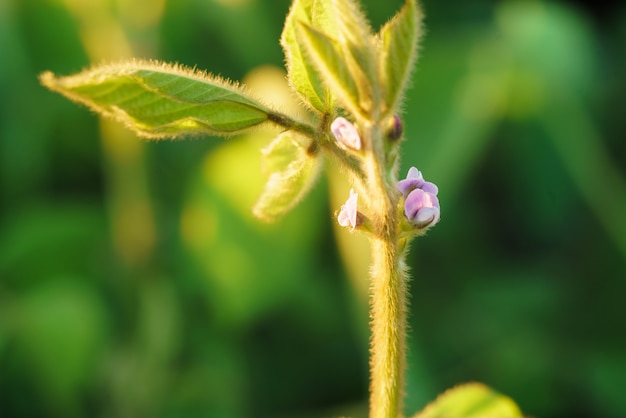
(323, 18)
(352, 25)
(292, 173)
(329, 60)
(471, 400)
(303, 77)
(355, 35)
(160, 100)
(399, 39)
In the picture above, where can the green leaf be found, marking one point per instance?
(340, 53)
(329, 60)
(292, 172)
(159, 100)
(355, 35)
(323, 18)
(303, 77)
(352, 25)
(399, 39)
(471, 400)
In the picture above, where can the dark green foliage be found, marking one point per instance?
(217, 315)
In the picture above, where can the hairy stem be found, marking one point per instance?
(387, 292)
(388, 313)
(289, 123)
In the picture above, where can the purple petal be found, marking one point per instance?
(414, 202)
(414, 180)
(430, 188)
(427, 217)
(414, 173)
(434, 201)
(422, 208)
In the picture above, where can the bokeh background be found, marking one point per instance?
(134, 281)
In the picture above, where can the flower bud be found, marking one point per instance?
(346, 134)
(395, 128)
(348, 214)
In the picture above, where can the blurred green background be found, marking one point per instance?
(135, 283)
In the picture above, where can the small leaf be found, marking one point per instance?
(329, 60)
(159, 100)
(471, 400)
(293, 172)
(399, 39)
(303, 77)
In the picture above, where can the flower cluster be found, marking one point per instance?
(421, 205)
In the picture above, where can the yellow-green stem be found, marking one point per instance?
(388, 316)
(388, 288)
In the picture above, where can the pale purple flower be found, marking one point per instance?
(348, 214)
(346, 134)
(422, 208)
(421, 205)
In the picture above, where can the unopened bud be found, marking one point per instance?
(346, 134)
(394, 128)
(348, 216)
